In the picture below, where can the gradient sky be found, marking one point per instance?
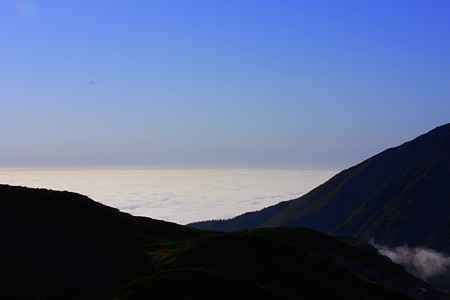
(229, 82)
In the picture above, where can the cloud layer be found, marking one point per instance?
(181, 196)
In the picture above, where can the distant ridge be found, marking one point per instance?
(400, 196)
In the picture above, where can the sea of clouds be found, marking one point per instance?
(176, 195)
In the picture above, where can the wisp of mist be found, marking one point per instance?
(421, 262)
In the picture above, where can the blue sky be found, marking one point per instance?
(318, 83)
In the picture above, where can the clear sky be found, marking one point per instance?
(230, 82)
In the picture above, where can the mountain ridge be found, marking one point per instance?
(381, 198)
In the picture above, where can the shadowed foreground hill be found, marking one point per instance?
(56, 244)
(61, 245)
(400, 196)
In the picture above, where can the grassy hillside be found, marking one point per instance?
(61, 245)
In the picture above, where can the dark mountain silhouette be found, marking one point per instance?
(61, 245)
(400, 196)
